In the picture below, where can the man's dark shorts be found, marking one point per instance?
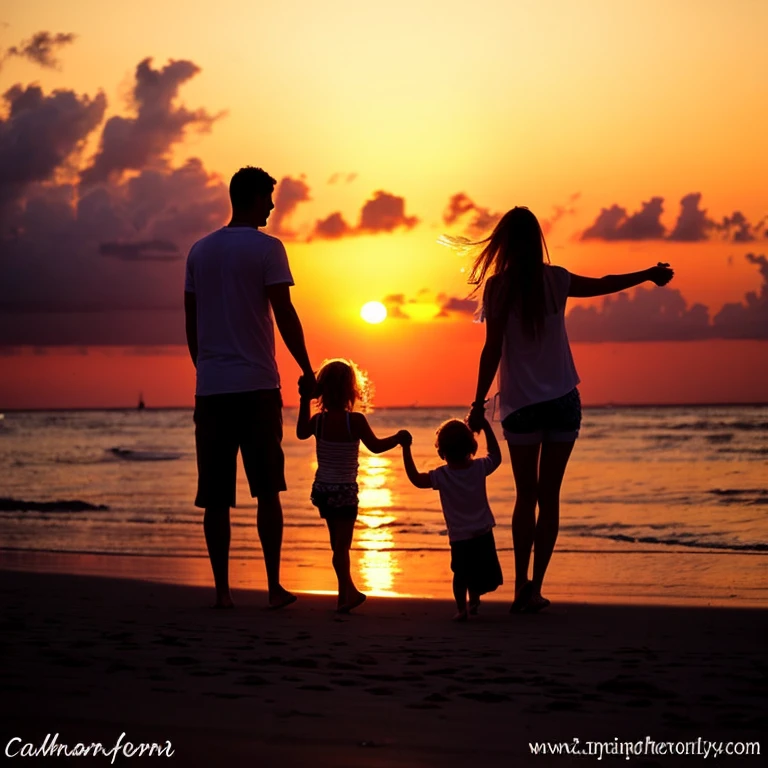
(249, 421)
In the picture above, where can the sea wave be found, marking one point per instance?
(59, 505)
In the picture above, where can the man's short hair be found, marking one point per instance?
(248, 184)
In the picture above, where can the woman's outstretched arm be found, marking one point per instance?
(585, 287)
(489, 363)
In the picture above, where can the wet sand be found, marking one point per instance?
(396, 683)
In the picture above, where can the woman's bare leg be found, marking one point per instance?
(525, 467)
(552, 465)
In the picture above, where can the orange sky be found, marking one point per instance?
(569, 106)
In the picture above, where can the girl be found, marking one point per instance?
(524, 308)
(338, 431)
(461, 483)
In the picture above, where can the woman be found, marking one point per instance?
(524, 308)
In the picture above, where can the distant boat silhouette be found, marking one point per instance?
(141, 406)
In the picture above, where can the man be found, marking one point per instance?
(234, 276)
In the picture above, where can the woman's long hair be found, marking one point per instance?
(516, 251)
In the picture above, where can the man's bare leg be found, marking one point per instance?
(217, 537)
(269, 522)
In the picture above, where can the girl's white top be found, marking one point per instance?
(533, 370)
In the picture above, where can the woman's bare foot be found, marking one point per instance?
(461, 616)
(474, 605)
(357, 599)
(537, 603)
(223, 602)
(523, 595)
(280, 598)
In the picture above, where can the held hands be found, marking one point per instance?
(476, 417)
(404, 438)
(307, 386)
(661, 274)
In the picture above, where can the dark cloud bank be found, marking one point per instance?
(693, 224)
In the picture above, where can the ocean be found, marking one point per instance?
(659, 504)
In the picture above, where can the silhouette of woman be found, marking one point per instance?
(523, 306)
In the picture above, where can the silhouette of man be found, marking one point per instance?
(234, 276)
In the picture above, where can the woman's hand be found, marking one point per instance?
(476, 417)
(661, 274)
(404, 437)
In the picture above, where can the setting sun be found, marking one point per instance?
(373, 312)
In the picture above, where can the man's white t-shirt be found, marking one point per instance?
(464, 499)
(229, 271)
(534, 370)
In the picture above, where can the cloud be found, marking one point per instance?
(559, 212)
(482, 220)
(144, 250)
(332, 227)
(693, 224)
(134, 143)
(655, 314)
(661, 314)
(747, 320)
(394, 304)
(384, 212)
(40, 134)
(342, 178)
(450, 305)
(41, 47)
(101, 263)
(290, 192)
(615, 223)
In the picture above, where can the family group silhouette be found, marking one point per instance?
(238, 279)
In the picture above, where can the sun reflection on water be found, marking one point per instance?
(378, 565)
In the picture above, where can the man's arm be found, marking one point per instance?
(190, 318)
(304, 423)
(289, 325)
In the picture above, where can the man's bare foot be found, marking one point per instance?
(358, 598)
(280, 598)
(461, 616)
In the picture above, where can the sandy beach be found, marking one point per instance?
(398, 683)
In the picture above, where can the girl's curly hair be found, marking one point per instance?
(342, 384)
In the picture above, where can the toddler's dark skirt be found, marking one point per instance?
(476, 563)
